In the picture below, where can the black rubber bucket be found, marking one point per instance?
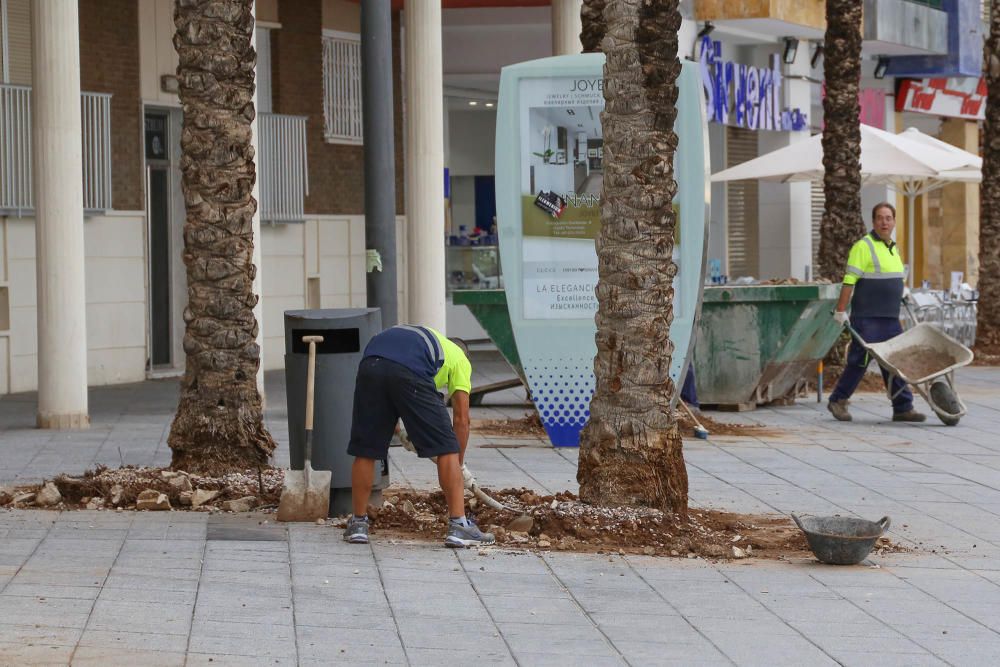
(840, 540)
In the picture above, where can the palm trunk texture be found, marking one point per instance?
(988, 324)
(843, 223)
(630, 450)
(219, 425)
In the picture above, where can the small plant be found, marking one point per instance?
(546, 155)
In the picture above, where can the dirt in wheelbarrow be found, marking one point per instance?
(920, 361)
(561, 522)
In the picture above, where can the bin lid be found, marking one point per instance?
(314, 314)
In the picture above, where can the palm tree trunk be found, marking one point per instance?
(630, 450)
(988, 326)
(594, 26)
(843, 223)
(219, 424)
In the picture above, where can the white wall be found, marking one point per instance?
(471, 142)
(116, 301)
(157, 55)
(331, 248)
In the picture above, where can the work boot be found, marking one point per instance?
(909, 416)
(356, 531)
(465, 533)
(839, 410)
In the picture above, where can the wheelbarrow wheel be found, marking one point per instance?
(945, 399)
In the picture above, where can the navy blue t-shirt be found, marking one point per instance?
(417, 348)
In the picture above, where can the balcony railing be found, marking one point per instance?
(16, 195)
(282, 167)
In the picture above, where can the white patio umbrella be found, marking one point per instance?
(908, 163)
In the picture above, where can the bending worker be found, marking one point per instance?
(400, 374)
(873, 285)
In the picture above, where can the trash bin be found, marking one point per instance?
(345, 332)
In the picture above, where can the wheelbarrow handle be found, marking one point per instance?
(854, 332)
(884, 524)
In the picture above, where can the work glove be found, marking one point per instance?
(841, 317)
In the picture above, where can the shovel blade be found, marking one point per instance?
(300, 502)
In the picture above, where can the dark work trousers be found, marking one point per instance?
(873, 330)
(688, 392)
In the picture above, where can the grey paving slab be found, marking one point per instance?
(119, 588)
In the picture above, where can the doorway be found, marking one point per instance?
(163, 233)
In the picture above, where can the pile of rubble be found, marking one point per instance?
(151, 489)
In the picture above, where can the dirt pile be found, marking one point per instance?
(715, 427)
(562, 523)
(105, 488)
(920, 361)
(530, 425)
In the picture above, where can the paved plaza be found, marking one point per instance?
(185, 588)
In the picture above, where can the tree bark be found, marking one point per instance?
(988, 320)
(594, 26)
(843, 222)
(630, 449)
(219, 425)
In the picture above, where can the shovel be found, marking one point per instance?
(306, 494)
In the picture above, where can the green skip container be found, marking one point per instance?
(760, 343)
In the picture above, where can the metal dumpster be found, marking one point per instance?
(758, 343)
(489, 307)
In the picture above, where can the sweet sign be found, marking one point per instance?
(744, 95)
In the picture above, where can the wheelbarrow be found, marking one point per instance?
(925, 358)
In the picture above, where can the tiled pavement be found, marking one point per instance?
(102, 588)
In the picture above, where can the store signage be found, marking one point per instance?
(955, 98)
(743, 95)
(549, 183)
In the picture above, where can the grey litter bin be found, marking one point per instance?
(345, 332)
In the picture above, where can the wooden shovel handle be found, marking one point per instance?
(310, 377)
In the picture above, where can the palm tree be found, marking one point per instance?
(843, 223)
(219, 424)
(988, 325)
(594, 26)
(630, 450)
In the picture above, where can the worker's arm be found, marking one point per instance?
(845, 297)
(460, 419)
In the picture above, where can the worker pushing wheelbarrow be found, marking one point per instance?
(924, 356)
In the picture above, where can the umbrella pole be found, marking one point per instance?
(910, 197)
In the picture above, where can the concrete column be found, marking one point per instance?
(425, 165)
(58, 190)
(566, 27)
(785, 211)
(960, 203)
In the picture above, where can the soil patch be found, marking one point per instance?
(562, 523)
(529, 425)
(106, 488)
(716, 427)
(920, 361)
(870, 382)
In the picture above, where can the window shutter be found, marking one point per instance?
(342, 87)
(741, 205)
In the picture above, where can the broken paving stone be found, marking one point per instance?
(152, 500)
(202, 496)
(649, 551)
(23, 498)
(48, 495)
(96, 503)
(739, 553)
(521, 524)
(544, 544)
(244, 504)
(180, 483)
(117, 494)
(517, 537)
(408, 508)
(184, 498)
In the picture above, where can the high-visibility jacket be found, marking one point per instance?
(876, 271)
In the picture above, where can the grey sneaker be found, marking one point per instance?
(839, 410)
(909, 416)
(465, 533)
(356, 531)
